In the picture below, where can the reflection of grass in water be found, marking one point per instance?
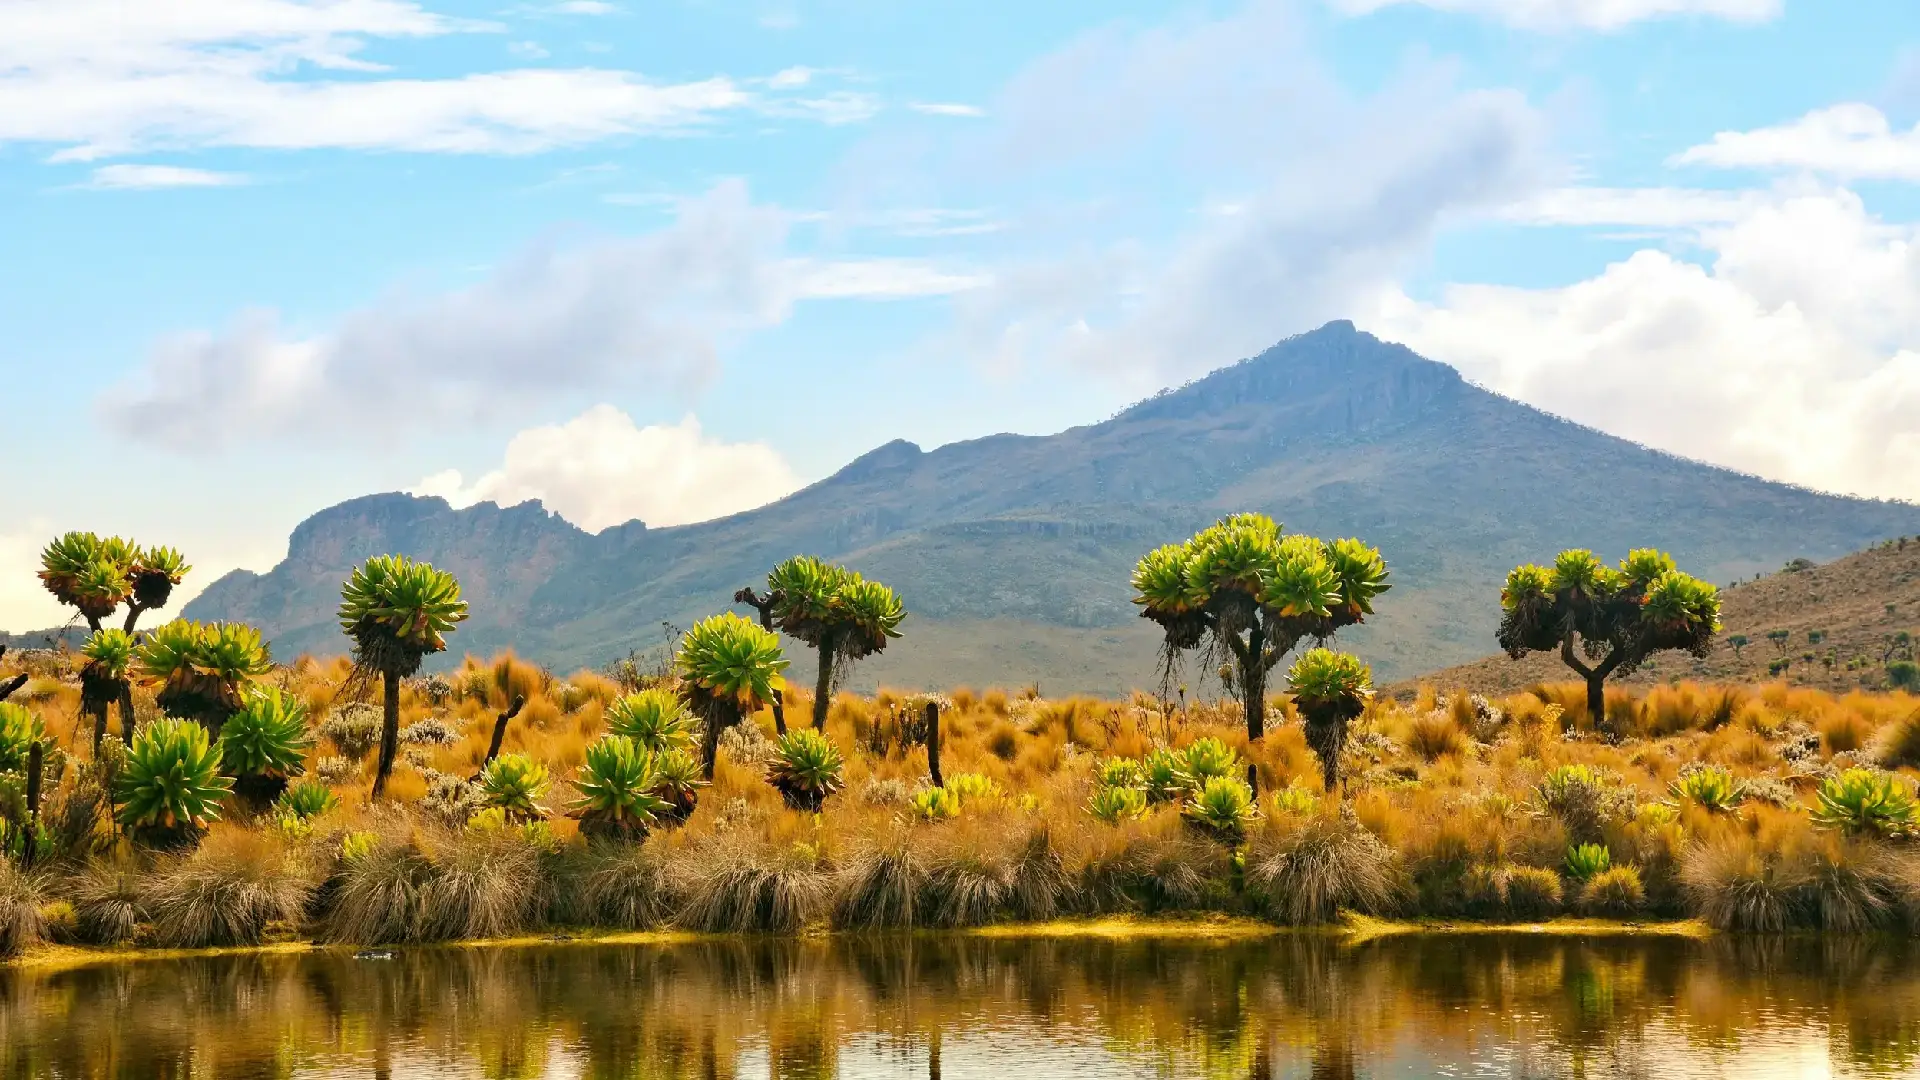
(1211, 1007)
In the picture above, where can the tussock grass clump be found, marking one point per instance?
(1328, 865)
(227, 893)
(1740, 883)
(485, 883)
(1436, 735)
(1507, 891)
(880, 887)
(1615, 891)
(107, 903)
(20, 899)
(1899, 744)
(741, 887)
(620, 885)
(1150, 865)
(381, 891)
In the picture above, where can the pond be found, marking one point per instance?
(1009, 1008)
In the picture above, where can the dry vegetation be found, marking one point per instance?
(1457, 807)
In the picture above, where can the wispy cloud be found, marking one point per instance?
(124, 177)
(1581, 14)
(1849, 140)
(946, 108)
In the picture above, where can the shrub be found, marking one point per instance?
(264, 744)
(514, 785)
(1613, 891)
(335, 770)
(806, 769)
(1584, 799)
(381, 891)
(171, 788)
(20, 898)
(1329, 864)
(353, 729)
(1903, 675)
(1223, 808)
(617, 785)
(935, 804)
(1116, 804)
(226, 893)
(432, 731)
(305, 801)
(1584, 861)
(656, 719)
(107, 903)
(1863, 801)
(1710, 787)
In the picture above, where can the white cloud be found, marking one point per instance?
(1790, 356)
(946, 108)
(599, 469)
(1849, 140)
(790, 78)
(100, 78)
(118, 177)
(653, 311)
(528, 50)
(1584, 14)
(1654, 208)
(1336, 194)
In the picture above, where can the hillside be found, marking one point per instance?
(1013, 552)
(1856, 604)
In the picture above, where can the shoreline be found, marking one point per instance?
(1351, 930)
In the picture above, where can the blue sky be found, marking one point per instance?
(670, 259)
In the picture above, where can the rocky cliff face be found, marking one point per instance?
(1013, 552)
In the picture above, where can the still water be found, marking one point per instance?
(1009, 1009)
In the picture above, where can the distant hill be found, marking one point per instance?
(1013, 552)
(1855, 604)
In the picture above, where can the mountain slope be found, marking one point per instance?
(1855, 604)
(1013, 552)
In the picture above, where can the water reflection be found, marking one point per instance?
(961, 1007)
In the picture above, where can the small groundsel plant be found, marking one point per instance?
(1207, 759)
(1587, 860)
(305, 801)
(972, 787)
(1710, 787)
(806, 768)
(19, 730)
(1117, 804)
(618, 789)
(171, 787)
(655, 719)
(1865, 802)
(1223, 808)
(935, 804)
(1164, 775)
(1121, 772)
(264, 744)
(1331, 690)
(514, 784)
(677, 779)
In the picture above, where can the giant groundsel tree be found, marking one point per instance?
(729, 666)
(1606, 622)
(397, 612)
(839, 614)
(95, 575)
(1243, 592)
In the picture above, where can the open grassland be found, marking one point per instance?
(1456, 807)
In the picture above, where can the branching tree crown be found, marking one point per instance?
(1604, 621)
(95, 575)
(833, 610)
(1247, 593)
(397, 612)
(729, 667)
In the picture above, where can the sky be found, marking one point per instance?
(671, 259)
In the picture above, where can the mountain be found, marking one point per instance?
(1013, 552)
(1855, 606)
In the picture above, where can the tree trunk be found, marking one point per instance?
(99, 710)
(779, 712)
(710, 743)
(1253, 682)
(933, 744)
(389, 732)
(1597, 702)
(126, 714)
(823, 686)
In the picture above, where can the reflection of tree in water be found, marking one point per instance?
(1168, 1007)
